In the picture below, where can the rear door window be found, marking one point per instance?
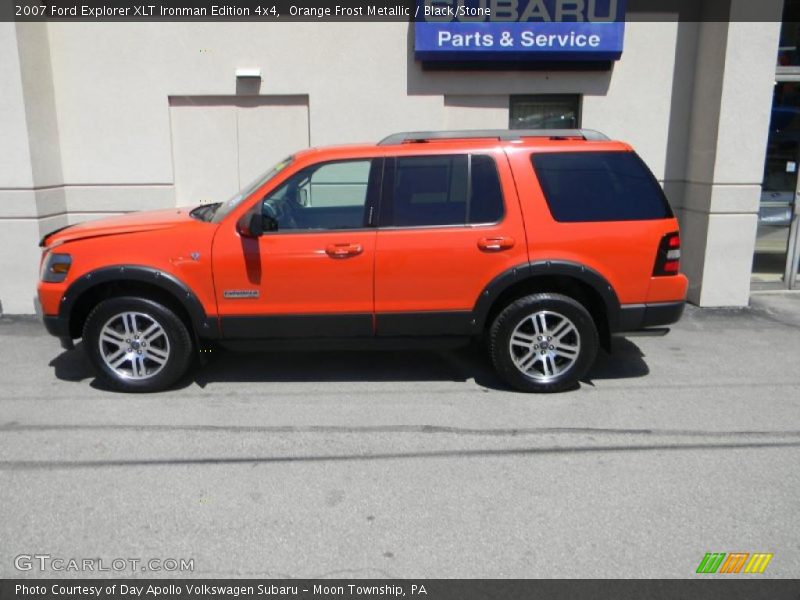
(441, 190)
(486, 195)
(599, 186)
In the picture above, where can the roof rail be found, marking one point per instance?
(503, 135)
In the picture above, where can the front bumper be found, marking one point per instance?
(639, 317)
(56, 326)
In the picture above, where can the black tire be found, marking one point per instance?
(175, 343)
(557, 309)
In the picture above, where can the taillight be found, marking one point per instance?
(668, 259)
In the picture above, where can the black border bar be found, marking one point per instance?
(351, 10)
(704, 587)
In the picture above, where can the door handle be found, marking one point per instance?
(495, 244)
(343, 250)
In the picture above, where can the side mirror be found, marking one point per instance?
(251, 225)
(269, 223)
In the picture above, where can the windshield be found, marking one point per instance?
(225, 208)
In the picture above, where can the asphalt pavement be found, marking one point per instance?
(412, 464)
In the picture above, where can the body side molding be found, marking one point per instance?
(296, 326)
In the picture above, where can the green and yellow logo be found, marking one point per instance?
(735, 562)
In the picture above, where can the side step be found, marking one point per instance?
(654, 332)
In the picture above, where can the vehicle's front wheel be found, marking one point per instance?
(543, 343)
(136, 344)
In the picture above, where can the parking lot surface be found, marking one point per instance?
(413, 464)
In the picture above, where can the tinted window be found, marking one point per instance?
(486, 204)
(322, 197)
(438, 190)
(599, 186)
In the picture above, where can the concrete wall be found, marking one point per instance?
(30, 169)
(729, 126)
(89, 116)
(222, 143)
(113, 87)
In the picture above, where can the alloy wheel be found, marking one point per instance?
(134, 345)
(544, 345)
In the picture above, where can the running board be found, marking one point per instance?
(654, 332)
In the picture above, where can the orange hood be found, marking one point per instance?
(130, 223)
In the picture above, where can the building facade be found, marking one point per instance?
(98, 119)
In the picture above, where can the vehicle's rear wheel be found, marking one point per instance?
(136, 344)
(543, 343)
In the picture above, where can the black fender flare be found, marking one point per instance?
(204, 326)
(532, 270)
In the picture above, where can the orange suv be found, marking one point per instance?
(545, 243)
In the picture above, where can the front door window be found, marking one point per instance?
(330, 196)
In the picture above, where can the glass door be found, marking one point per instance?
(774, 253)
(793, 263)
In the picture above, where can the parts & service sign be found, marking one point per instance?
(519, 30)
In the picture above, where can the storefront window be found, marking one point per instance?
(789, 51)
(545, 112)
(779, 186)
(777, 250)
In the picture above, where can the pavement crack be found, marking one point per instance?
(379, 456)
(11, 427)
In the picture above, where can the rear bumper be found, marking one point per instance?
(637, 317)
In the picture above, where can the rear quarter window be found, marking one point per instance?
(599, 186)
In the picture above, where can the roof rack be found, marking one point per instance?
(503, 135)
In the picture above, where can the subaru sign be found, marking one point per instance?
(519, 30)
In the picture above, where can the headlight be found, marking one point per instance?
(55, 267)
